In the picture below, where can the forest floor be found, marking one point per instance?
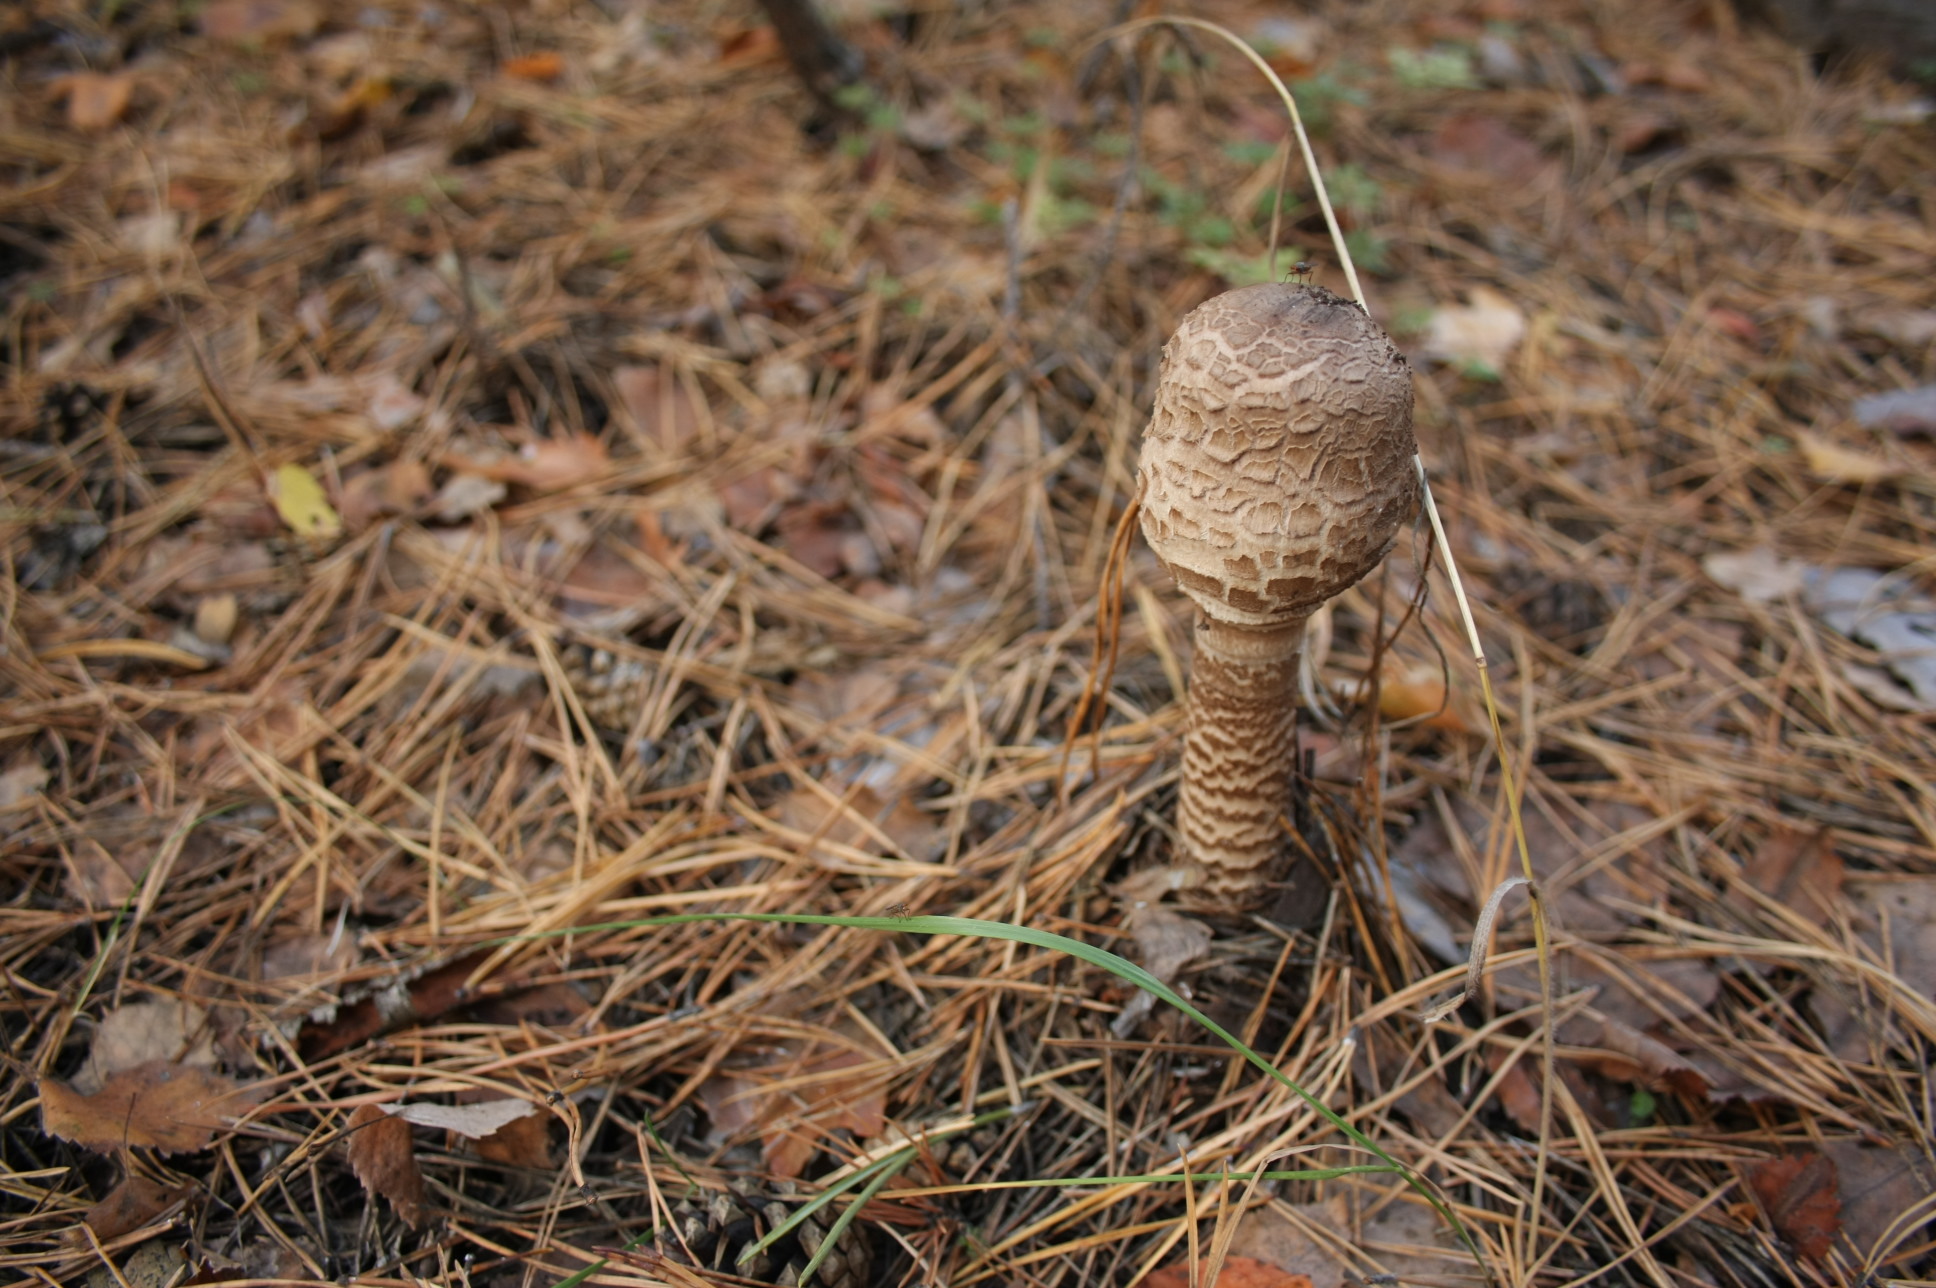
(474, 472)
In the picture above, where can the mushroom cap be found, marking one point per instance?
(1277, 467)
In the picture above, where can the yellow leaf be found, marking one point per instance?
(299, 499)
(1835, 464)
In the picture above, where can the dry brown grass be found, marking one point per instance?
(844, 559)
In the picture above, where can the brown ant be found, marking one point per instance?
(1302, 271)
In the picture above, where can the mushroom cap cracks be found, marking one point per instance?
(1277, 467)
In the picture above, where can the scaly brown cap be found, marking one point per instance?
(1277, 467)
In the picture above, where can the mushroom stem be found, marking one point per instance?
(1237, 753)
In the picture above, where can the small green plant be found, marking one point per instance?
(1441, 67)
(1354, 191)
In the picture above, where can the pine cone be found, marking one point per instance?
(610, 688)
(711, 1232)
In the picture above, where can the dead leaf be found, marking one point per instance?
(1166, 942)
(547, 465)
(753, 499)
(1277, 1238)
(236, 21)
(661, 409)
(910, 827)
(306, 956)
(472, 1121)
(429, 994)
(132, 1203)
(465, 495)
(158, 1030)
(300, 503)
(383, 1159)
(749, 46)
(1900, 411)
(1485, 145)
(1798, 1194)
(1758, 575)
(1883, 612)
(820, 536)
(1798, 869)
(1236, 1272)
(21, 783)
(1735, 323)
(794, 1120)
(522, 1142)
(1833, 463)
(1879, 1186)
(96, 101)
(1484, 331)
(174, 1108)
(534, 67)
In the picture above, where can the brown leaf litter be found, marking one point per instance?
(475, 480)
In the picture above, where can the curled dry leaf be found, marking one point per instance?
(794, 1120)
(21, 783)
(1833, 463)
(174, 1108)
(383, 1159)
(1800, 1196)
(132, 1203)
(473, 1121)
(96, 101)
(547, 465)
(542, 67)
(158, 1029)
(661, 410)
(1236, 1272)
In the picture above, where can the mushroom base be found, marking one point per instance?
(1238, 756)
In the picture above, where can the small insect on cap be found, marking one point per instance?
(1277, 467)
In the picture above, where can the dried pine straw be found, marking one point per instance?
(801, 627)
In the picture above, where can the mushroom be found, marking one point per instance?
(1276, 472)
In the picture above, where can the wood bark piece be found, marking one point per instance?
(1276, 472)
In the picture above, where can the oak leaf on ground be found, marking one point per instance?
(174, 1108)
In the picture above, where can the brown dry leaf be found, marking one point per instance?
(753, 499)
(1798, 869)
(1486, 145)
(1409, 1241)
(661, 409)
(1880, 1185)
(382, 1157)
(96, 101)
(1236, 1272)
(1833, 463)
(158, 1030)
(1268, 1235)
(794, 1121)
(1799, 1195)
(606, 590)
(131, 1204)
(542, 67)
(821, 537)
(103, 878)
(174, 1108)
(306, 956)
(1895, 915)
(237, 21)
(749, 46)
(523, 1141)
(910, 827)
(547, 465)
